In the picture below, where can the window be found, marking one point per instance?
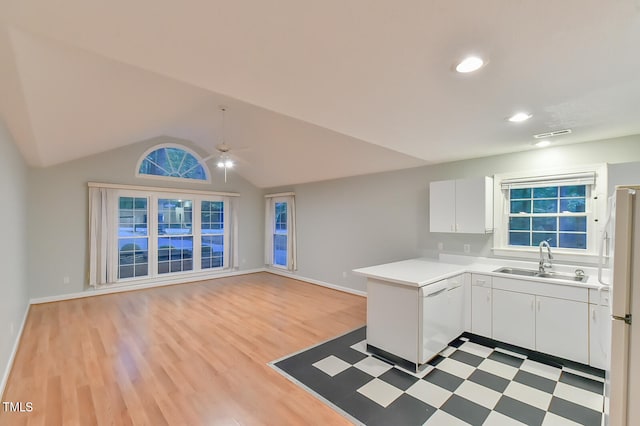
(280, 235)
(175, 235)
(212, 220)
(556, 214)
(145, 233)
(560, 207)
(133, 237)
(280, 244)
(173, 162)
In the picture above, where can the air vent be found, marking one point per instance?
(552, 134)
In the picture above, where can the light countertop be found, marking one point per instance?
(424, 271)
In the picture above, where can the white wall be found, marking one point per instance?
(366, 220)
(13, 250)
(58, 214)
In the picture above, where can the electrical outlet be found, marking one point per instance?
(344, 274)
(66, 279)
(440, 246)
(467, 248)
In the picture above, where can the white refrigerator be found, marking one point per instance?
(623, 379)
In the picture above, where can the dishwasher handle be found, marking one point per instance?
(436, 293)
(432, 290)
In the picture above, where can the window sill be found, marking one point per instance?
(282, 268)
(533, 253)
(168, 279)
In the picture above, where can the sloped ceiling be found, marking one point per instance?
(316, 90)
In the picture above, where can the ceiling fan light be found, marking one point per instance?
(519, 117)
(221, 164)
(469, 64)
(228, 164)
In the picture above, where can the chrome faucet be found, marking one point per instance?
(543, 264)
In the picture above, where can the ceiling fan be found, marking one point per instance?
(224, 159)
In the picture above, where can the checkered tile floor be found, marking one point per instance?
(469, 383)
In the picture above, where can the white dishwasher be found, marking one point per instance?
(442, 319)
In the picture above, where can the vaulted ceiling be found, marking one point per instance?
(316, 90)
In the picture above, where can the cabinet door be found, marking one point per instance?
(455, 306)
(481, 310)
(442, 206)
(599, 336)
(471, 200)
(562, 328)
(514, 319)
(467, 302)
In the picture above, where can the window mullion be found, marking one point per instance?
(196, 232)
(153, 235)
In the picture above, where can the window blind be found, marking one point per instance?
(568, 179)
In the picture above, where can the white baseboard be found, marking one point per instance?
(16, 344)
(316, 282)
(119, 288)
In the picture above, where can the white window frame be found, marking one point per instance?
(152, 195)
(596, 205)
(270, 230)
(196, 234)
(201, 161)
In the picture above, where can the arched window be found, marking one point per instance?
(173, 162)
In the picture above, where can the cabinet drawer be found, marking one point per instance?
(558, 291)
(480, 280)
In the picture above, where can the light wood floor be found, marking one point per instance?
(188, 354)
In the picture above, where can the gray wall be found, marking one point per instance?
(366, 220)
(13, 250)
(58, 214)
(624, 174)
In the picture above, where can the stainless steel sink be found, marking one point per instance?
(581, 278)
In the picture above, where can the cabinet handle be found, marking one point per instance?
(532, 307)
(481, 282)
(593, 314)
(539, 306)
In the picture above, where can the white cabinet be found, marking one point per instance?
(481, 305)
(562, 329)
(442, 206)
(462, 206)
(599, 330)
(455, 307)
(466, 302)
(414, 323)
(514, 318)
(548, 318)
(393, 318)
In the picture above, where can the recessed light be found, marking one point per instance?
(542, 144)
(470, 64)
(519, 117)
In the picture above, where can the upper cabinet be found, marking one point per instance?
(461, 205)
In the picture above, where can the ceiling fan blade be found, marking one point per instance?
(240, 149)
